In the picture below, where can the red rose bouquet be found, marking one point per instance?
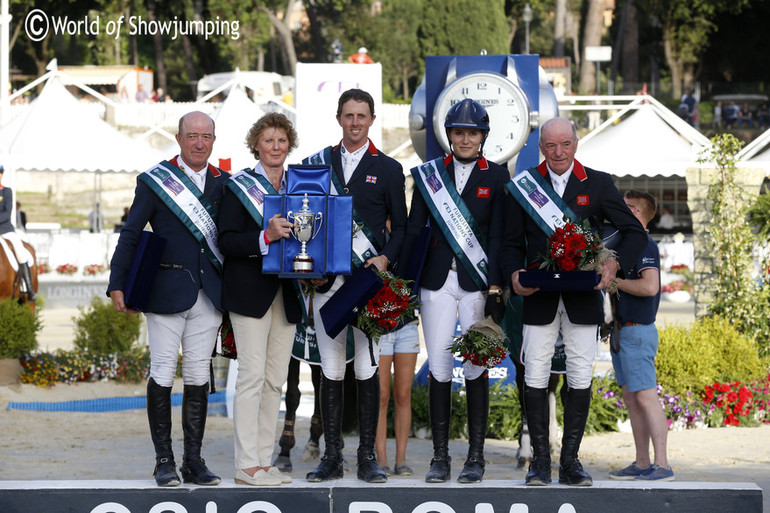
(575, 247)
(483, 344)
(392, 304)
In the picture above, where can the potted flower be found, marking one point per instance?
(17, 338)
(67, 269)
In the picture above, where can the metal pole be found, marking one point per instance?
(5, 57)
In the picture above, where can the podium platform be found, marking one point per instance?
(403, 496)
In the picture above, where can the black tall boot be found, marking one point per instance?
(440, 407)
(576, 411)
(159, 415)
(368, 415)
(287, 440)
(194, 410)
(331, 412)
(26, 277)
(536, 404)
(477, 398)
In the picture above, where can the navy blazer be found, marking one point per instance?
(591, 195)
(6, 207)
(175, 289)
(245, 290)
(484, 195)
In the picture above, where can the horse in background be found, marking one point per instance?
(10, 280)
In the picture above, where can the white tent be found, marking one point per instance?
(756, 154)
(56, 134)
(649, 141)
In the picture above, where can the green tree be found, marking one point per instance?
(736, 295)
(687, 26)
(463, 27)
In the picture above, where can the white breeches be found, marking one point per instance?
(195, 330)
(22, 254)
(439, 310)
(580, 344)
(332, 350)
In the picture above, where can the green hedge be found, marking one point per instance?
(19, 325)
(99, 329)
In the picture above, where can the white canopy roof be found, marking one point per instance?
(649, 141)
(55, 134)
(233, 120)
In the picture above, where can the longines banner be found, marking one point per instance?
(396, 496)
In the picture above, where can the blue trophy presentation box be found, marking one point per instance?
(560, 281)
(144, 267)
(331, 247)
(343, 307)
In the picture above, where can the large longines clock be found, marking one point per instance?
(512, 88)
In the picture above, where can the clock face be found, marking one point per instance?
(506, 104)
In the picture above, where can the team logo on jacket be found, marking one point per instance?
(482, 192)
(583, 200)
(371, 179)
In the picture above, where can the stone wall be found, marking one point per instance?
(698, 181)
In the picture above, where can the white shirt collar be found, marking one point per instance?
(192, 175)
(564, 176)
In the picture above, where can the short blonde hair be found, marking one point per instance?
(270, 120)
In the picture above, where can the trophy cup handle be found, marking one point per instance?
(319, 218)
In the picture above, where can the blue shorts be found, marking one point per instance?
(635, 363)
(404, 340)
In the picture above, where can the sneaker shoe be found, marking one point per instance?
(657, 473)
(403, 470)
(629, 473)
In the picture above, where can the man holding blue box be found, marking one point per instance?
(562, 184)
(180, 199)
(376, 183)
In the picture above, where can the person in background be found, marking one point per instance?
(184, 308)
(96, 219)
(398, 351)
(717, 120)
(8, 232)
(263, 308)
(361, 57)
(21, 218)
(638, 297)
(745, 116)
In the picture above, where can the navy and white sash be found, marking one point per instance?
(453, 219)
(187, 202)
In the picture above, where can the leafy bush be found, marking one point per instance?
(710, 350)
(101, 330)
(20, 325)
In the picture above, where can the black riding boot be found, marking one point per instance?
(26, 277)
(287, 440)
(331, 412)
(194, 410)
(575, 416)
(536, 404)
(368, 415)
(477, 398)
(159, 415)
(440, 407)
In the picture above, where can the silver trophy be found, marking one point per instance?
(307, 224)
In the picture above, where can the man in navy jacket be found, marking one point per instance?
(590, 195)
(180, 200)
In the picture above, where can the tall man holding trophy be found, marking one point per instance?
(376, 183)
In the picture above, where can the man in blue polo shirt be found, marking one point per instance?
(634, 363)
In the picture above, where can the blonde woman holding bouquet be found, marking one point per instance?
(461, 275)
